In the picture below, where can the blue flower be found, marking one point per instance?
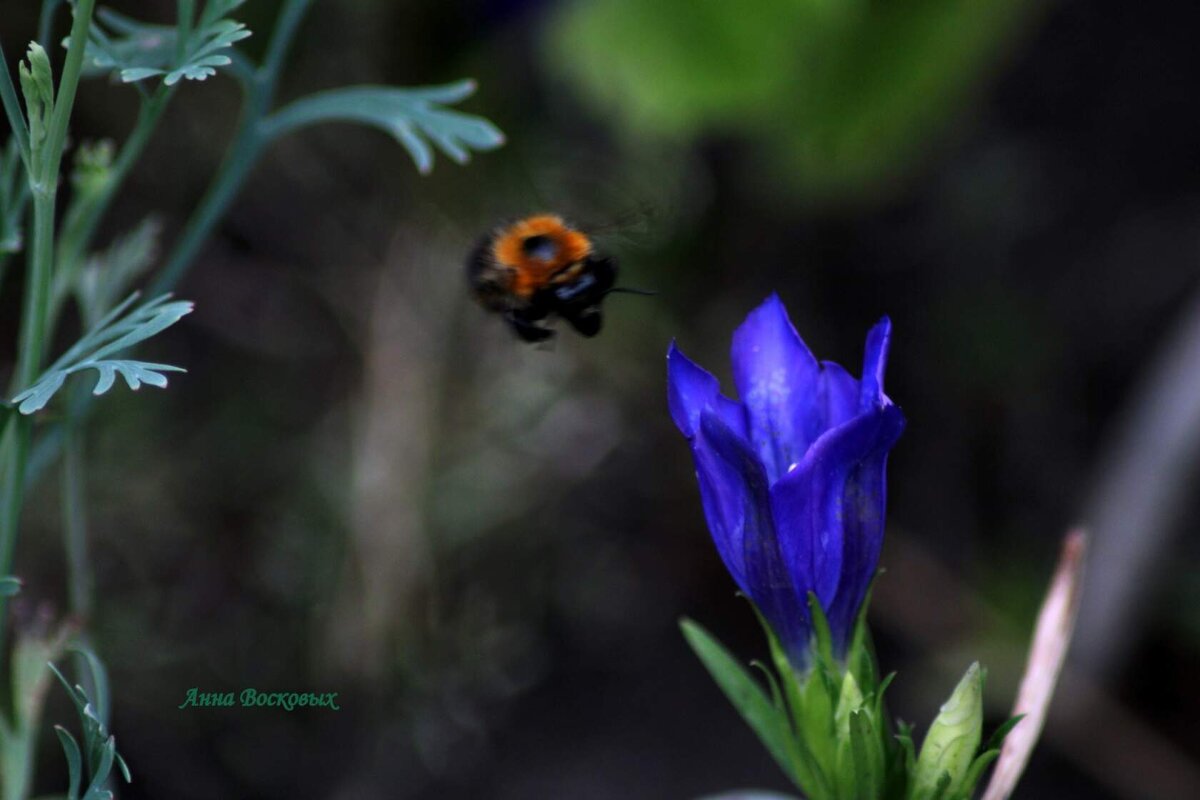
(792, 478)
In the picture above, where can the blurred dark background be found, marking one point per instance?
(364, 484)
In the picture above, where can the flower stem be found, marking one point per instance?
(243, 152)
(43, 177)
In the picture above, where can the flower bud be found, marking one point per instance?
(953, 739)
(93, 167)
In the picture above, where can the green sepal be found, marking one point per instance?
(766, 719)
(904, 759)
(861, 656)
(772, 684)
(811, 777)
(816, 723)
(822, 639)
(868, 756)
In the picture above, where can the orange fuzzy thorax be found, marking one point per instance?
(531, 274)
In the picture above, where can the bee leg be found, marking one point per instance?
(528, 331)
(587, 321)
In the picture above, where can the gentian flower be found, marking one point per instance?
(792, 477)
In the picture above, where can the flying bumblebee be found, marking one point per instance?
(540, 266)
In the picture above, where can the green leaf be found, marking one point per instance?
(414, 117)
(815, 718)
(867, 752)
(9, 586)
(842, 94)
(99, 751)
(74, 760)
(810, 774)
(99, 680)
(137, 50)
(822, 638)
(100, 770)
(94, 351)
(763, 717)
(981, 762)
(997, 738)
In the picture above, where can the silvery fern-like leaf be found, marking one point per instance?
(99, 752)
(136, 50)
(96, 349)
(415, 117)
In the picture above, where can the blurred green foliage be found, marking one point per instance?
(842, 93)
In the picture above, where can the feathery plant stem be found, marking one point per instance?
(259, 84)
(43, 177)
(243, 153)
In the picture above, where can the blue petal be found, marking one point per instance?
(829, 514)
(777, 381)
(839, 395)
(737, 504)
(691, 389)
(874, 362)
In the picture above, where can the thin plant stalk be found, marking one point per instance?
(43, 175)
(259, 84)
(248, 143)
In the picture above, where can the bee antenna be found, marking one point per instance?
(627, 290)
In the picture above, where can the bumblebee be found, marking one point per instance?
(537, 267)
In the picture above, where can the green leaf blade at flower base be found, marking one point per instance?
(812, 776)
(767, 720)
